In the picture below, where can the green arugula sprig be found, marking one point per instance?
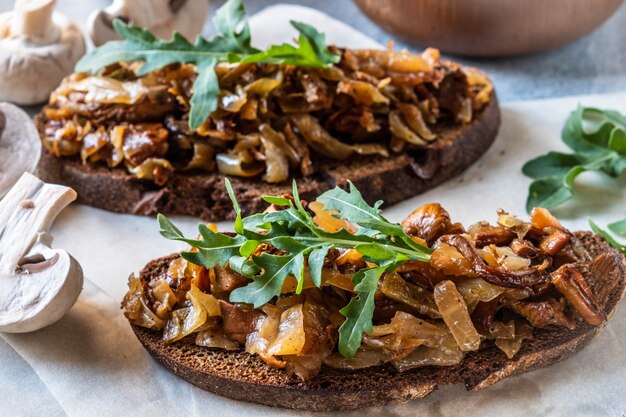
(598, 139)
(231, 44)
(302, 243)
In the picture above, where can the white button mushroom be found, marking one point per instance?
(38, 284)
(20, 145)
(161, 17)
(38, 47)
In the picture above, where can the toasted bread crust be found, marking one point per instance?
(241, 376)
(203, 195)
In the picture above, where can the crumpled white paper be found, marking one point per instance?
(90, 363)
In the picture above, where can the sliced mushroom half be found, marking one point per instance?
(38, 284)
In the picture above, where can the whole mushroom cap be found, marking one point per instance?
(30, 70)
(19, 139)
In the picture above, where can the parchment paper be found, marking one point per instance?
(90, 364)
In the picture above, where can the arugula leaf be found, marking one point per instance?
(227, 20)
(618, 227)
(547, 192)
(598, 138)
(244, 266)
(268, 285)
(359, 313)
(206, 91)
(317, 40)
(231, 44)
(350, 204)
(213, 249)
(360, 309)
(311, 50)
(316, 262)
(301, 243)
(233, 199)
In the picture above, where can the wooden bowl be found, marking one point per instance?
(489, 27)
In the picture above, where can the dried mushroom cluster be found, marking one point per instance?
(272, 120)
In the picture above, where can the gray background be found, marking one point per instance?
(593, 64)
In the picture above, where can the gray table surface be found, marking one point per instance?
(593, 64)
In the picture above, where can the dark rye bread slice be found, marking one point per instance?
(241, 376)
(203, 194)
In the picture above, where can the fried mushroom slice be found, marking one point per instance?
(428, 222)
(544, 313)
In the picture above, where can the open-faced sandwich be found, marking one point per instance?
(151, 126)
(328, 305)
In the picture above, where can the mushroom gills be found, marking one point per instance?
(40, 294)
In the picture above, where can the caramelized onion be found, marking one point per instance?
(319, 139)
(203, 157)
(187, 320)
(395, 288)
(205, 301)
(135, 306)
(276, 163)
(413, 117)
(234, 165)
(475, 290)
(399, 129)
(279, 140)
(509, 336)
(158, 170)
(517, 226)
(362, 92)
(364, 358)
(259, 340)
(454, 312)
(213, 338)
(263, 86)
(427, 356)
(405, 333)
(232, 102)
(98, 89)
(165, 297)
(291, 337)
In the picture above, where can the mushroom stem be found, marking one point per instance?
(19, 226)
(33, 20)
